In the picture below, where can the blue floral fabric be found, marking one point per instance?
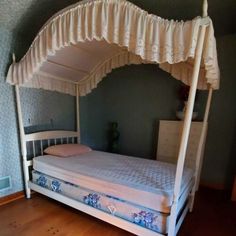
(145, 219)
(137, 214)
(93, 200)
(42, 181)
(55, 186)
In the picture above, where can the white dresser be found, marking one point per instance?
(169, 140)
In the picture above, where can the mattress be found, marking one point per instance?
(118, 207)
(144, 182)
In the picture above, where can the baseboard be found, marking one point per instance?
(11, 197)
(212, 186)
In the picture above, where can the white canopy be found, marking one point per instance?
(82, 43)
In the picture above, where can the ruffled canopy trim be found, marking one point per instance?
(141, 37)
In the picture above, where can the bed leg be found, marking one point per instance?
(27, 192)
(192, 198)
(26, 178)
(173, 217)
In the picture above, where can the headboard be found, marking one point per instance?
(169, 140)
(35, 143)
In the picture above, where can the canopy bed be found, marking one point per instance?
(71, 54)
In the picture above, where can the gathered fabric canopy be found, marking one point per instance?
(79, 45)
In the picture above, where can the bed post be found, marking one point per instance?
(186, 126)
(198, 164)
(205, 8)
(22, 142)
(77, 113)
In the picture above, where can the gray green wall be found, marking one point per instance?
(220, 155)
(9, 145)
(137, 97)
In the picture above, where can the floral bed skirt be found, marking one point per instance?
(142, 216)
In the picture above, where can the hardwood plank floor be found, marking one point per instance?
(214, 215)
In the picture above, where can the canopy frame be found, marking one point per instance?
(173, 227)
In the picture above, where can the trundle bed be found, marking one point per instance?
(71, 54)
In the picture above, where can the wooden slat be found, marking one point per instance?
(181, 219)
(34, 149)
(41, 147)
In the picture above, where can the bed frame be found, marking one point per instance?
(35, 143)
(176, 216)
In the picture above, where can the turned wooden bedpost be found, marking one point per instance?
(22, 143)
(205, 8)
(22, 138)
(186, 126)
(200, 146)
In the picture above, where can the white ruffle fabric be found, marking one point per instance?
(146, 38)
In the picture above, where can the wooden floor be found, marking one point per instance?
(214, 215)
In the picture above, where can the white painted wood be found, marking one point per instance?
(22, 142)
(201, 147)
(205, 8)
(46, 135)
(169, 137)
(181, 219)
(185, 197)
(123, 224)
(186, 131)
(20, 120)
(13, 57)
(29, 163)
